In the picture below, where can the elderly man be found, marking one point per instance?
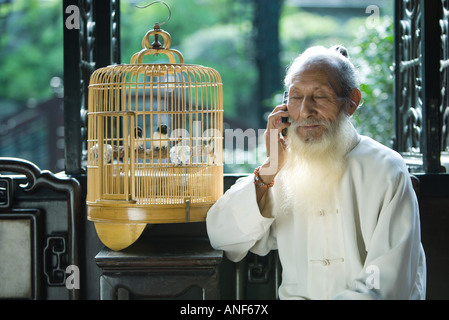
(339, 207)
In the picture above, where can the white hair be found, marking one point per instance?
(336, 57)
(312, 172)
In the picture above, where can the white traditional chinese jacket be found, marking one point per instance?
(369, 247)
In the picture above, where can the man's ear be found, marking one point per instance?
(356, 97)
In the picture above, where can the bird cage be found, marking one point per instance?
(155, 143)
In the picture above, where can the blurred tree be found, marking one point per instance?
(300, 30)
(30, 51)
(373, 54)
(219, 47)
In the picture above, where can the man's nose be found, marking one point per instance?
(307, 108)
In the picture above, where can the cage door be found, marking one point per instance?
(117, 166)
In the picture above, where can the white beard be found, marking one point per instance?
(313, 170)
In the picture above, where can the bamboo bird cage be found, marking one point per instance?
(155, 142)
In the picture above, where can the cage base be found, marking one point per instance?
(119, 223)
(117, 236)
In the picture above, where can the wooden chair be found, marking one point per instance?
(39, 228)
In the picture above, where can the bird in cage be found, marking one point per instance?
(204, 152)
(160, 137)
(138, 138)
(107, 152)
(180, 155)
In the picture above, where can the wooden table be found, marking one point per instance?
(160, 268)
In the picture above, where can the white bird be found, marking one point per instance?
(107, 152)
(180, 155)
(160, 138)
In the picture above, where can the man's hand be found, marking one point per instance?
(276, 148)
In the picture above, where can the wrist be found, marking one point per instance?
(261, 180)
(268, 170)
(266, 175)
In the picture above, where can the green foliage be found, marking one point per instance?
(373, 54)
(300, 30)
(219, 47)
(30, 50)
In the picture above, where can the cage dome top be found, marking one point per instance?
(156, 47)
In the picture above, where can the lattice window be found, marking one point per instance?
(420, 83)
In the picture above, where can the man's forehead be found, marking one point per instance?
(317, 76)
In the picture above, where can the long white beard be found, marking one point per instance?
(313, 170)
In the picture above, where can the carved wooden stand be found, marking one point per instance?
(160, 268)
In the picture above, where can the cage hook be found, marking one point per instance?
(164, 3)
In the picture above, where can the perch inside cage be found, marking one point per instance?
(154, 143)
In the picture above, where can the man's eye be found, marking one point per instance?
(319, 95)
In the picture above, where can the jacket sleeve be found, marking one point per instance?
(235, 223)
(394, 267)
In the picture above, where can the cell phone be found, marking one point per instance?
(285, 119)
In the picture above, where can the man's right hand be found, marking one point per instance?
(275, 145)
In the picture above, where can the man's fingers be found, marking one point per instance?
(278, 113)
